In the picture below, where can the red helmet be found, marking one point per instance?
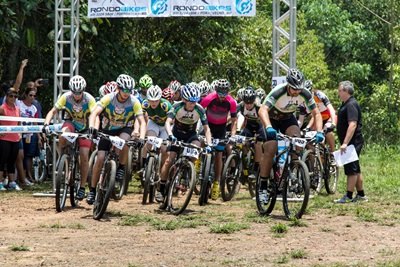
(167, 93)
(111, 87)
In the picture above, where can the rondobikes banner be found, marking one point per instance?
(170, 8)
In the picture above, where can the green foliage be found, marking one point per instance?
(19, 248)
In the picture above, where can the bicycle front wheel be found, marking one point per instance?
(104, 188)
(181, 187)
(315, 171)
(61, 184)
(331, 175)
(148, 184)
(296, 189)
(75, 184)
(205, 180)
(230, 177)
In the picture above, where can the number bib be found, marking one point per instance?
(190, 152)
(155, 141)
(71, 137)
(117, 142)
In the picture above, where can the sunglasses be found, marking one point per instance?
(294, 89)
(32, 95)
(126, 91)
(13, 96)
(77, 93)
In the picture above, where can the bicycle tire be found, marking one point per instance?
(119, 189)
(230, 177)
(296, 189)
(251, 183)
(92, 160)
(61, 184)
(104, 189)
(149, 172)
(205, 181)
(331, 176)
(75, 184)
(315, 171)
(265, 208)
(181, 187)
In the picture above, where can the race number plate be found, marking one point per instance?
(310, 134)
(240, 139)
(71, 137)
(190, 152)
(300, 142)
(215, 142)
(117, 142)
(155, 141)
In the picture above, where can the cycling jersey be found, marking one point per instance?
(186, 121)
(282, 106)
(77, 112)
(322, 102)
(117, 115)
(159, 114)
(252, 119)
(217, 110)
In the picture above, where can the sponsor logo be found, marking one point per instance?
(158, 7)
(202, 8)
(244, 6)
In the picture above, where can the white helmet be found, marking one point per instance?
(77, 84)
(204, 88)
(126, 82)
(154, 93)
(190, 92)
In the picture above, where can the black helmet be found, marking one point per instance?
(249, 95)
(222, 86)
(295, 79)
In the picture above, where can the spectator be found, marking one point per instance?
(349, 128)
(30, 141)
(9, 141)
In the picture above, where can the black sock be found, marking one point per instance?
(93, 189)
(162, 187)
(361, 193)
(263, 183)
(350, 194)
(256, 166)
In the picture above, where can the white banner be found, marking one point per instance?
(29, 129)
(170, 8)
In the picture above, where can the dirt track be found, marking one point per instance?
(73, 238)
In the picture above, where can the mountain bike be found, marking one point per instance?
(151, 174)
(289, 177)
(236, 168)
(68, 178)
(106, 184)
(182, 178)
(321, 165)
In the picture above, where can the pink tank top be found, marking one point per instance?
(12, 112)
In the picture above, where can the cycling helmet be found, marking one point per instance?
(249, 95)
(222, 87)
(174, 85)
(125, 82)
(213, 86)
(295, 79)
(145, 82)
(102, 90)
(308, 85)
(154, 93)
(77, 84)
(260, 93)
(204, 88)
(190, 92)
(167, 93)
(239, 94)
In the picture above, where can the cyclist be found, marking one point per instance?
(252, 125)
(185, 115)
(175, 86)
(205, 89)
(168, 94)
(119, 110)
(239, 95)
(260, 93)
(277, 114)
(144, 83)
(219, 106)
(327, 112)
(78, 105)
(107, 88)
(156, 109)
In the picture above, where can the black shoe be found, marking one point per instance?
(81, 194)
(91, 198)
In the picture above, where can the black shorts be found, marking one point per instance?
(283, 125)
(218, 130)
(184, 137)
(353, 168)
(251, 132)
(105, 144)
